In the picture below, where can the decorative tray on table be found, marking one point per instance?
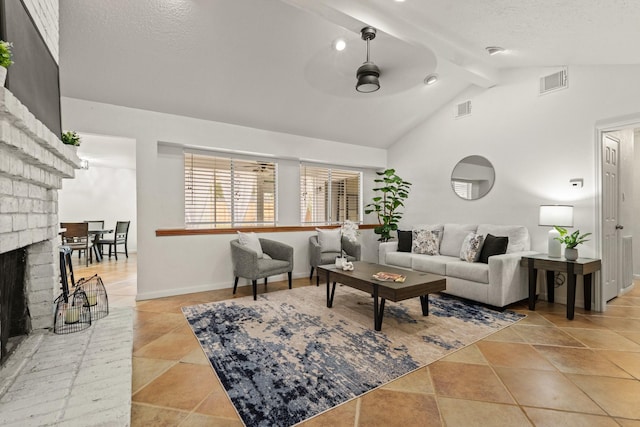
(389, 277)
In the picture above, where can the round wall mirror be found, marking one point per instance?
(472, 178)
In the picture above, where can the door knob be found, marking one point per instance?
(619, 227)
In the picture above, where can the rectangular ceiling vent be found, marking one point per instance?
(463, 109)
(553, 82)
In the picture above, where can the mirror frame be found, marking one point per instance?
(484, 179)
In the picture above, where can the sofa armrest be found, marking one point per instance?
(315, 252)
(383, 249)
(507, 279)
(277, 250)
(244, 260)
(351, 248)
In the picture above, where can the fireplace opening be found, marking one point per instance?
(15, 321)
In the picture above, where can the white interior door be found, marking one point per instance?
(610, 244)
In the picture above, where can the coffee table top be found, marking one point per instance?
(364, 271)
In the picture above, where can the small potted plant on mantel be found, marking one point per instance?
(71, 138)
(5, 59)
(571, 242)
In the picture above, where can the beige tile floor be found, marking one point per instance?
(543, 371)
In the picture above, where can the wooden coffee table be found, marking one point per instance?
(417, 284)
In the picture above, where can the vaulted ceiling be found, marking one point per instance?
(270, 64)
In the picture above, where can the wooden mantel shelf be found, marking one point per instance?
(276, 229)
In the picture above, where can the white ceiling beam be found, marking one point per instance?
(354, 15)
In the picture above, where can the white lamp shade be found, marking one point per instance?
(560, 215)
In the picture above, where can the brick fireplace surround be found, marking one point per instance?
(33, 162)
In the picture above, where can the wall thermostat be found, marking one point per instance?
(576, 182)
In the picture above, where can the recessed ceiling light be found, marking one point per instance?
(399, 1)
(339, 45)
(431, 79)
(493, 50)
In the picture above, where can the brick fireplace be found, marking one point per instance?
(33, 162)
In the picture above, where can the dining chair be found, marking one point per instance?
(97, 224)
(120, 237)
(76, 236)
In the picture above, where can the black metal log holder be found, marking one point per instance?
(75, 310)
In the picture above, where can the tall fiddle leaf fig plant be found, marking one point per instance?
(393, 191)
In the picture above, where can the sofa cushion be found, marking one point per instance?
(426, 242)
(436, 264)
(471, 247)
(330, 240)
(399, 259)
(518, 235)
(493, 246)
(405, 238)
(476, 272)
(452, 238)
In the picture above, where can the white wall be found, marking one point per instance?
(101, 193)
(536, 144)
(636, 205)
(183, 264)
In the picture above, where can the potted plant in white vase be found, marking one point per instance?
(5, 59)
(571, 241)
(71, 138)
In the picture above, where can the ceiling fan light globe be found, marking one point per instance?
(367, 75)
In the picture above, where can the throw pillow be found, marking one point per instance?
(251, 241)
(426, 242)
(329, 240)
(493, 246)
(405, 238)
(471, 247)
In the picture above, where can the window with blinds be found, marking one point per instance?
(224, 192)
(329, 195)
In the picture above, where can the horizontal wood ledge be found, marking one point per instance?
(277, 229)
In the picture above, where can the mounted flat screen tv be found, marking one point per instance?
(34, 76)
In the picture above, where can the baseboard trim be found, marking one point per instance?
(210, 287)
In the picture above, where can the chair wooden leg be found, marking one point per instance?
(115, 250)
(235, 285)
(289, 274)
(265, 281)
(311, 274)
(255, 289)
(317, 279)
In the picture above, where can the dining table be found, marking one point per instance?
(97, 235)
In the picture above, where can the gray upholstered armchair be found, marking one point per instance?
(247, 264)
(317, 257)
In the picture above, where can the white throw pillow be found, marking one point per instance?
(251, 241)
(471, 247)
(329, 240)
(453, 236)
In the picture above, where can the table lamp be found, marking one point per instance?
(558, 215)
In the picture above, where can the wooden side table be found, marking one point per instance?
(583, 266)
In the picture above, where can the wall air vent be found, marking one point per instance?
(553, 82)
(463, 109)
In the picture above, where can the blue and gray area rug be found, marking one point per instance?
(287, 357)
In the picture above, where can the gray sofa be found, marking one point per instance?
(500, 282)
